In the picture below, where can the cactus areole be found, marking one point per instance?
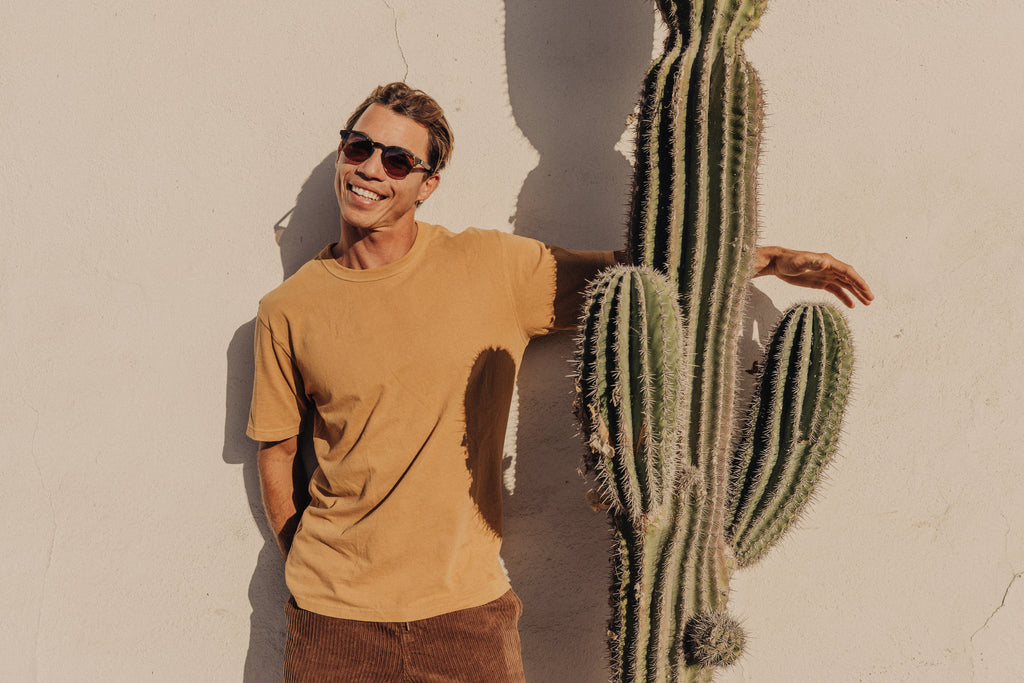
(657, 363)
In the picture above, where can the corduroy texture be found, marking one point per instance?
(475, 644)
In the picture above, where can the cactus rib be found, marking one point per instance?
(657, 362)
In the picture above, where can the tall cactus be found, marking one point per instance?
(658, 362)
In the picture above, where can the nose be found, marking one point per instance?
(373, 165)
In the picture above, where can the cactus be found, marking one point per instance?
(657, 363)
(793, 428)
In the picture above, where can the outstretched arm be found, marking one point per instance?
(818, 271)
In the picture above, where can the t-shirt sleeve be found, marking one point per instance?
(547, 283)
(278, 396)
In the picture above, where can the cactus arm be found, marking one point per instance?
(595, 386)
(793, 428)
(748, 484)
(627, 400)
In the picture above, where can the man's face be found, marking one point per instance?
(368, 197)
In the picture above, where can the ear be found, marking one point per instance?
(427, 187)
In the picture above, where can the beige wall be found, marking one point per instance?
(148, 152)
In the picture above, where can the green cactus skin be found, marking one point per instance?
(793, 427)
(631, 359)
(629, 404)
(656, 382)
(713, 639)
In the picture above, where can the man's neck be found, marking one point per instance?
(363, 250)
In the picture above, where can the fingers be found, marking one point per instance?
(840, 294)
(846, 287)
(849, 280)
(863, 294)
(856, 284)
(860, 288)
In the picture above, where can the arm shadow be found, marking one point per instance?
(300, 234)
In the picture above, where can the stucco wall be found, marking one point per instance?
(162, 165)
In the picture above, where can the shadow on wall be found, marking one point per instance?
(572, 81)
(488, 393)
(300, 234)
(574, 78)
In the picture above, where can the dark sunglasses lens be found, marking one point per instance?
(357, 149)
(396, 163)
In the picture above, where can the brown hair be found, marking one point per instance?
(421, 108)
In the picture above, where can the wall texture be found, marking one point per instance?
(162, 165)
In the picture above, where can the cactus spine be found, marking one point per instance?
(793, 429)
(658, 358)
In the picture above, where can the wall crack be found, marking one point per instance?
(398, 40)
(1002, 604)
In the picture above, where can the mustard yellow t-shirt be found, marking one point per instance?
(408, 371)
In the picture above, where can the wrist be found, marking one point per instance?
(764, 260)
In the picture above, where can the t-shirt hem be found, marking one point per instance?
(271, 434)
(329, 609)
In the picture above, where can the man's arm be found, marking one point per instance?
(806, 269)
(283, 500)
(810, 269)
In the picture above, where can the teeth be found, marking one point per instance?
(362, 192)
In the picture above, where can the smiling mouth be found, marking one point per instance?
(365, 194)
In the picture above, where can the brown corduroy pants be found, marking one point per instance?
(476, 645)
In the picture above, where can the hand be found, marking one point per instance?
(818, 271)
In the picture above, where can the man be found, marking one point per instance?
(402, 342)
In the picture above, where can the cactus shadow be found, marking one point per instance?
(573, 80)
(299, 234)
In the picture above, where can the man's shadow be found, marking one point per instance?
(574, 77)
(300, 234)
(573, 81)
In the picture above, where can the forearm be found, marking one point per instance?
(283, 500)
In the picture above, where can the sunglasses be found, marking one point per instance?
(398, 162)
